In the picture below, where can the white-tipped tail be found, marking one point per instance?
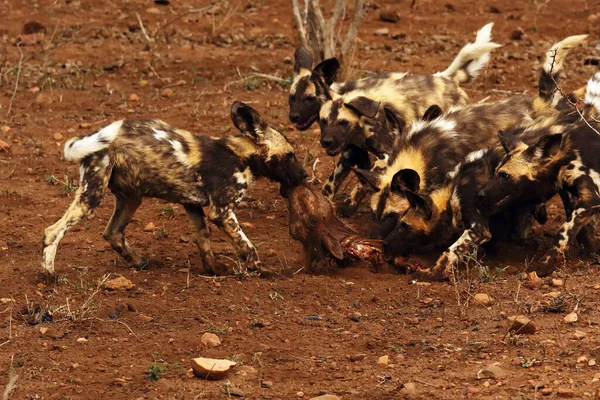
(472, 58)
(557, 54)
(78, 148)
(592, 92)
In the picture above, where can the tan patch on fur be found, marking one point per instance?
(194, 155)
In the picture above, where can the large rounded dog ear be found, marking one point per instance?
(368, 176)
(327, 70)
(363, 106)
(509, 141)
(303, 59)
(419, 203)
(406, 179)
(247, 119)
(432, 113)
(549, 145)
(395, 123)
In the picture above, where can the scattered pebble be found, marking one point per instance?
(210, 368)
(5, 129)
(534, 281)
(383, 360)
(187, 47)
(210, 340)
(153, 10)
(43, 330)
(483, 299)
(134, 97)
(557, 282)
(382, 32)
(565, 392)
(579, 334)
(571, 318)
(546, 391)
(288, 60)
(4, 146)
(592, 362)
(168, 92)
(149, 227)
(522, 325)
(43, 98)
(491, 371)
(409, 388)
(143, 83)
(357, 357)
(85, 125)
(326, 397)
(517, 34)
(58, 137)
(82, 340)
(389, 16)
(120, 283)
(266, 384)
(233, 391)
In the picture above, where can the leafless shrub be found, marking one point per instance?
(323, 36)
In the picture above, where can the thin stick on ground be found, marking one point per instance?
(19, 66)
(256, 75)
(122, 323)
(148, 38)
(13, 377)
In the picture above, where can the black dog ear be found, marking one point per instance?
(419, 203)
(303, 59)
(406, 179)
(363, 106)
(509, 141)
(327, 70)
(549, 144)
(395, 123)
(247, 120)
(370, 177)
(432, 113)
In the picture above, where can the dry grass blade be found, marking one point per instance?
(12, 381)
(19, 67)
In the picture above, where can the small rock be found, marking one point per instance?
(4, 146)
(5, 300)
(382, 32)
(552, 295)
(565, 392)
(134, 97)
(5, 129)
(546, 391)
(355, 316)
(143, 83)
(58, 137)
(114, 66)
(120, 283)
(266, 384)
(210, 340)
(326, 397)
(357, 357)
(389, 16)
(571, 318)
(149, 227)
(423, 283)
(288, 60)
(153, 10)
(209, 368)
(592, 362)
(533, 280)
(522, 325)
(473, 390)
(43, 330)
(579, 335)
(409, 388)
(145, 318)
(383, 360)
(517, 34)
(233, 391)
(582, 360)
(246, 370)
(168, 92)
(557, 282)
(82, 340)
(491, 371)
(483, 299)
(43, 98)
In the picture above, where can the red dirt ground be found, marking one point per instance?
(94, 57)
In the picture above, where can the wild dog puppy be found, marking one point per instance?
(343, 113)
(536, 172)
(148, 158)
(437, 219)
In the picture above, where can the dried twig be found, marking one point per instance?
(122, 323)
(148, 38)
(17, 80)
(12, 381)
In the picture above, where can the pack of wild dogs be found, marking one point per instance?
(438, 173)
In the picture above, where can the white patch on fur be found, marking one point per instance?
(76, 149)
(160, 135)
(416, 127)
(473, 156)
(565, 228)
(179, 153)
(592, 93)
(301, 74)
(445, 125)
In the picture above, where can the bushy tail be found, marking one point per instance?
(78, 148)
(553, 67)
(592, 95)
(472, 57)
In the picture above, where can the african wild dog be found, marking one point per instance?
(311, 89)
(567, 162)
(148, 158)
(436, 219)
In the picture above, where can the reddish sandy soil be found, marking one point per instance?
(301, 334)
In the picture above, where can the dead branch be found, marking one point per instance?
(319, 34)
(565, 96)
(19, 67)
(148, 38)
